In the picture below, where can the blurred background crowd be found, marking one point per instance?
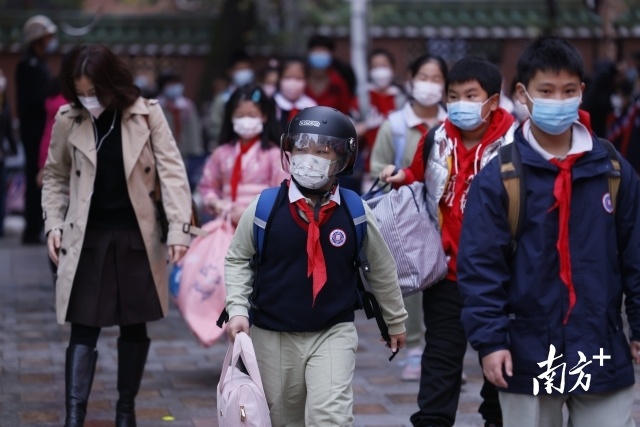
(362, 57)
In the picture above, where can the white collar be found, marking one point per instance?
(299, 104)
(581, 140)
(295, 194)
(412, 120)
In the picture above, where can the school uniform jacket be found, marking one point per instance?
(518, 301)
(239, 278)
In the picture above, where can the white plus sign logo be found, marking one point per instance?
(602, 357)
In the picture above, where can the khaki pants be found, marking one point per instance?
(585, 410)
(307, 376)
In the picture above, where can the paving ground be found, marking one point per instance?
(179, 385)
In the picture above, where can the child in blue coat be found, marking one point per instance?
(544, 314)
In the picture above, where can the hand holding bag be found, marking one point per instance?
(241, 398)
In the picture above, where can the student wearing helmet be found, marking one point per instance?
(32, 84)
(305, 286)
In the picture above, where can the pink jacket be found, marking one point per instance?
(52, 104)
(260, 169)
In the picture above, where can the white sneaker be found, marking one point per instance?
(412, 365)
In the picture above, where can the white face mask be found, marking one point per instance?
(310, 171)
(617, 102)
(381, 77)
(269, 89)
(247, 127)
(427, 93)
(92, 105)
(292, 89)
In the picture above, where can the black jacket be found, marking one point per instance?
(32, 84)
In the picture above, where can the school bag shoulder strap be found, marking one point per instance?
(513, 181)
(266, 202)
(355, 206)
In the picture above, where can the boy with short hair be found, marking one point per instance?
(543, 310)
(306, 277)
(475, 129)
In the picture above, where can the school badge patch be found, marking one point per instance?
(607, 203)
(337, 237)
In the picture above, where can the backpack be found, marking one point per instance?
(355, 208)
(513, 180)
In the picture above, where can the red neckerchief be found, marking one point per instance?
(315, 258)
(422, 128)
(236, 173)
(384, 102)
(562, 193)
(292, 114)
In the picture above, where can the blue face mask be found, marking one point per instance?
(554, 116)
(174, 91)
(319, 60)
(466, 115)
(52, 46)
(243, 77)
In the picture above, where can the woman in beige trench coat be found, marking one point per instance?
(103, 231)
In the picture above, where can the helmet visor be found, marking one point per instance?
(313, 143)
(337, 150)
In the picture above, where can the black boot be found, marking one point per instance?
(79, 369)
(131, 360)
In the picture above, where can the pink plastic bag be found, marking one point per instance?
(202, 292)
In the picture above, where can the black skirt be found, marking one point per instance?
(113, 284)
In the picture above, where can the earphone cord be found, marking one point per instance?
(98, 145)
(95, 130)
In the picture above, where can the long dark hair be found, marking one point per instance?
(417, 63)
(110, 76)
(271, 130)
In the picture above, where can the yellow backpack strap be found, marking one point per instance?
(614, 175)
(513, 181)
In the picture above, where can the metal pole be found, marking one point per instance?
(359, 39)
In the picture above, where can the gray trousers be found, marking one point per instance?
(307, 376)
(585, 410)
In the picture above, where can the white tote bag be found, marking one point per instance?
(412, 238)
(241, 398)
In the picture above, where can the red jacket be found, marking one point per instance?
(465, 164)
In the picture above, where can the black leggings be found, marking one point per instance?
(88, 335)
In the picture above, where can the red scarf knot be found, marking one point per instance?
(562, 194)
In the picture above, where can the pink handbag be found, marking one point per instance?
(241, 399)
(201, 293)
